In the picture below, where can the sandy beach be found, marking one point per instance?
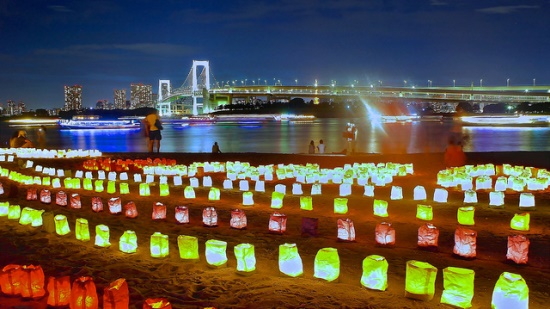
(196, 284)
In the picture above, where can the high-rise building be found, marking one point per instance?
(141, 95)
(73, 97)
(120, 98)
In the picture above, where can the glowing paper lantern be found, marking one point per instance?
(458, 285)
(214, 194)
(128, 242)
(188, 247)
(340, 205)
(144, 189)
(116, 295)
(346, 230)
(32, 282)
(10, 279)
(526, 201)
(115, 205)
(277, 223)
(238, 219)
(246, 260)
(510, 291)
(61, 198)
(520, 222)
(385, 234)
(518, 249)
(248, 198)
(327, 264)
(440, 195)
(380, 208)
(496, 199)
(216, 252)
(4, 209)
(345, 189)
(465, 242)
(420, 280)
(243, 185)
(111, 187)
(424, 212)
(375, 273)
(82, 232)
(97, 204)
(45, 196)
(277, 200)
(26, 216)
(189, 192)
(102, 235)
(14, 212)
(470, 196)
(428, 236)
(164, 189)
(280, 188)
(210, 216)
(259, 186)
(419, 193)
(31, 194)
(59, 291)
(124, 188)
(75, 201)
(157, 303)
(290, 262)
(84, 294)
(306, 203)
(396, 193)
(98, 186)
(61, 225)
(87, 184)
(316, 189)
(130, 210)
(159, 211)
(159, 245)
(465, 215)
(182, 214)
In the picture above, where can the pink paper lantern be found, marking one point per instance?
(518, 249)
(130, 210)
(465, 242)
(97, 204)
(428, 236)
(210, 217)
(182, 214)
(159, 211)
(61, 198)
(277, 223)
(238, 219)
(75, 201)
(31, 194)
(115, 205)
(346, 230)
(45, 196)
(385, 234)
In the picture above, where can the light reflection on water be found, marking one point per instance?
(287, 137)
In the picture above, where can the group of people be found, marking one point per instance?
(19, 139)
(320, 148)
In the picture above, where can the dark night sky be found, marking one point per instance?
(106, 45)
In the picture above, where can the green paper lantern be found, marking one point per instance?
(290, 262)
(327, 264)
(111, 186)
(159, 245)
(61, 225)
(424, 212)
(375, 273)
(188, 247)
(420, 280)
(510, 291)
(102, 235)
(128, 242)
(246, 261)
(380, 208)
(277, 200)
(144, 189)
(82, 232)
(98, 184)
(458, 285)
(340, 205)
(189, 192)
(465, 215)
(306, 203)
(215, 252)
(520, 222)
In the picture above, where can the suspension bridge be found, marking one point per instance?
(196, 96)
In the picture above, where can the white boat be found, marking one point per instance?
(506, 120)
(94, 122)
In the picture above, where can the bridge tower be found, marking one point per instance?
(202, 80)
(165, 89)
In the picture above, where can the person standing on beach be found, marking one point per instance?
(321, 147)
(216, 148)
(152, 130)
(311, 147)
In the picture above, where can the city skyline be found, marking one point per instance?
(108, 45)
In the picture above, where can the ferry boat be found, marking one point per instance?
(94, 122)
(506, 120)
(242, 119)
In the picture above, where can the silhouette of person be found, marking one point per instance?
(152, 122)
(311, 147)
(321, 147)
(216, 148)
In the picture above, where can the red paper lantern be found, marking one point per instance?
(84, 294)
(130, 210)
(116, 296)
(518, 249)
(346, 230)
(210, 216)
(61, 198)
(159, 211)
(182, 214)
(31, 194)
(385, 234)
(10, 279)
(45, 196)
(97, 204)
(115, 205)
(277, 223)
(32, 282)
(465, 242)
(238, 219)
(157, 303)
(75, 201)
(59, 291)
(428, 236)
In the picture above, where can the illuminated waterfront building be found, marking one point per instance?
(73, 97)
(120, 99)
(141, 95)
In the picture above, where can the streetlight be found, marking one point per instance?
(507, 82)
(481, 83)
(245, 81)
(429, 83)
(534, 82)
(454, 83)
(405, 83)
(296, 80)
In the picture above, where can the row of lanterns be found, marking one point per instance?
(8, 154)
(465, 239)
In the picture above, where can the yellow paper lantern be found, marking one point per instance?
(128, 242)
(520, 222)
(375, 273)
(380, 208)
(164, 189)
(26, 216)
(246, 260)
(188, 247)
(327, 264)
(68, 183)
(102, 235)
(111, 187)
(159, 245)
(189, 192)
(144, 189)
(124, 188)
(76, 183)
(465, 215)
(424, 212)
(277, 200)
(420, 280)
(61, 225)
(458, 285)
(215, 252)
(511, 291)
(87, 184)
(518, 249)
(82, 232)
(340, 205)
(290, 262)
(465, 242)
(306, 203)
(210, 217)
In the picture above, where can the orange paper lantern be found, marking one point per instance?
(465, 242)
(210, 217)
(428, 236)
(97, 204)
(84, 294)
(277, 223)
(157, 303)
(61, 198)
(238, 219)
(116, 296)
(59, 291)
(115, 205)
(182, 214)
(10, 279)
(385, 234)
(346, 230)
(75, 201)
(31, 194)
(518, 249)
(45, 196)
(130, 210)
(32, 282)
(159, 211)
